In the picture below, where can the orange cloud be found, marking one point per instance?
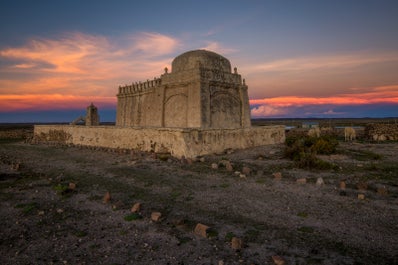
(82, 64)
(377, 95)
(9, 103)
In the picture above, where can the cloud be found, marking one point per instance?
(336, 61)
(288, 105)
(36, 102)
(218, 48)
(267, 111)
(376, 95)
(78, 64)
(332, 112)
(153, 44)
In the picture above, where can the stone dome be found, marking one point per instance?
(207, 59)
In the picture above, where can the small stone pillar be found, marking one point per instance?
(92, 117)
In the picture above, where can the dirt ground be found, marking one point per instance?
(46, 221)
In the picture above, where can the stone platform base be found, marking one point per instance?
(178, 142)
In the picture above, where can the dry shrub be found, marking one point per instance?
(303, 150)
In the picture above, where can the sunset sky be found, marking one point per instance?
(299, 58)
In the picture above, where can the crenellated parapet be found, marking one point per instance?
(140, 87)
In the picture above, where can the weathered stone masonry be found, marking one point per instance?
(381, 132)
(200, 92)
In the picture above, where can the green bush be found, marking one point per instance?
(303, 150)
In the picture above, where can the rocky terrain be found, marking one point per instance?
(71, 205)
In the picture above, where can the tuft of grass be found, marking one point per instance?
(252, 235)
(28, 208)
(224, 185)
(132, 217)
(183, 240)
(60, 188)
(175, 194)
(229, 236)
(302, 214)
(211, 233)
(80, 233)
(306, 229)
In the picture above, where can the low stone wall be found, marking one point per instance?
(381, 132)
(178, 142)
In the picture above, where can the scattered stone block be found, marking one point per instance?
(361, 196)
(246, 171)
(320, 182)
(15, 166)
(242, 176)
(220, 262)
(236, 243)
(60, 210)
(277, 175)
(72, 186)
(301, 181)
(136, 207)
(155, 216)
(202, 159)
(342, 185)
(237, 173)
(214, 166)
(107, 197)
(201, 230)
(278, 260)
(382, 191)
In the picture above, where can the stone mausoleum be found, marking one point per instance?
(200, 107)
(200, 92)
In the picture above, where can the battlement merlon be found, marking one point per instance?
(139, 87)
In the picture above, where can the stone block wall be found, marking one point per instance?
(381, 132)
(178, 142)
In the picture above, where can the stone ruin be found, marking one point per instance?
(91, 118)
(200, 107)
(200, 92)
(381, 131)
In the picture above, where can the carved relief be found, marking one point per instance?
(225, 110)
(175, 109)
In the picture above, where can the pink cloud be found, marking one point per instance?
(83, 64)
(267, 110)
(376, 95)
(51, 101)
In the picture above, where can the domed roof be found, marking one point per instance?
(207, 59)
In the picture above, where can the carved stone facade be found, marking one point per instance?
(200, 92)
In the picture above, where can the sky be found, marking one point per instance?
(323, 59)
